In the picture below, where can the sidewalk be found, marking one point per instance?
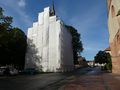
(104, 81)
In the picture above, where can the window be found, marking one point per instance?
(118, 39)
(113, 11)
(118, 13)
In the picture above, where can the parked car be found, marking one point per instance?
(30, 71)
(1, 72)
(8, 71)
(13, 71)
(2, 69)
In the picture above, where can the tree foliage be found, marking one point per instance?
(76, 43)
(101, 57)
(104, 58)
(12, 43)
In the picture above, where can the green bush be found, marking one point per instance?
(107, 67)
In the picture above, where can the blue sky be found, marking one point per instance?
(89, 17)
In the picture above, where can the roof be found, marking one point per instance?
(107, 49)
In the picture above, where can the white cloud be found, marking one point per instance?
(17, 12)
(21, 3)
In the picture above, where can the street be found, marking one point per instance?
(94, 80)
(36, 82)
(81, 79)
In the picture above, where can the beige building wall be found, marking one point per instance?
(113, 24)
(114, 27)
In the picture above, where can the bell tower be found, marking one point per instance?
(52, 11)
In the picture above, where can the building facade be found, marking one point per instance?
(114, 33)
(108, 50)
(49, 44)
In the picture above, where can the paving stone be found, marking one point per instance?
(93, 82)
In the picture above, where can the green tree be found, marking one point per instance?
(104, 58)
(5, 26)
(12, 43)
(17, 45)
(101, 57)
(76, 42)
(108, 65)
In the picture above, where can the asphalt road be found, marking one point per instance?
(48, 81)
